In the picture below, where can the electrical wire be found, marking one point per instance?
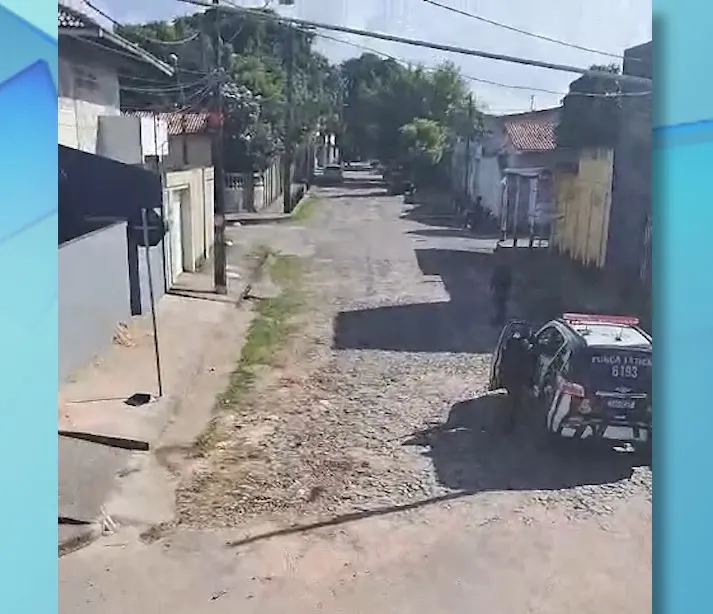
(126, 54)
(196, 100)
(480, 80)
(146, 37)
(505, 26)
(168, 88)
(258, 13)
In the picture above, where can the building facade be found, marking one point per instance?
(629, 238)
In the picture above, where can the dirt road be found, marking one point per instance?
(366, 470)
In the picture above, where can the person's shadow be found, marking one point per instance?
(474, 451)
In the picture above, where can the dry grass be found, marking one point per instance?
(267, 336)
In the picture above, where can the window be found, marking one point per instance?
(549, 341)
(560, 364)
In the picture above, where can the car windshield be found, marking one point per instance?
(609, 369)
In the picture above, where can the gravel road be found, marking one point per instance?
(379, 413)
(383, 400)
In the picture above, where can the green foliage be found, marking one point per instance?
(376, 107)
(255, 55)
(382, 97)
(591, 121)
(423, 143)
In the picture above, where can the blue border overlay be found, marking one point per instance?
(683, 312)
(28, 309)
(683, 267)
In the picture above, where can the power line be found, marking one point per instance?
(258, 13)
(197, 100)
(485, 81)
(150, 39)
(442, 47)
(169, 89)
(505, 26)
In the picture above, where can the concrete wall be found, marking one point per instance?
(197, 222)
(485, 171)
(629, 251)
(130, 139)
(93, 278)
(490, 186)
(583, 208)
(86, 91)
(198, 151)
(531, 159)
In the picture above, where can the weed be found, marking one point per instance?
(306, 209)
(269, 332)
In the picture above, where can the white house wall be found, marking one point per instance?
(196, 184)
(198, 154)
(490, 186)
(86, 91)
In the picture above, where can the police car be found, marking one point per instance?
(592, 376)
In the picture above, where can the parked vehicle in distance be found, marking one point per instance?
(592, 376)
(333, 174)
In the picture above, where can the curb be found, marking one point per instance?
(87, 534)
(85, 537)
(273, 218)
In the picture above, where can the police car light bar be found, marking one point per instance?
(585, 318)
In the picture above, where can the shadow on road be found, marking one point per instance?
(454, 231)
(347, 518)
(472, 452)
(431, 208)
(460, 325)
(351, 195)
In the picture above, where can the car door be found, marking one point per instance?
(557, 368)
(549, 341)
(512, 327)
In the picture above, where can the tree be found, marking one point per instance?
(422, 144)
(255, 53)
(381, 96)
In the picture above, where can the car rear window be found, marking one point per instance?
(607, 369)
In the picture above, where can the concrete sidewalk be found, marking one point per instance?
(94, 401)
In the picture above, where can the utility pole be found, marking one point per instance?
(466, 174)
(220, 277)
(289, 122)
(182, 107)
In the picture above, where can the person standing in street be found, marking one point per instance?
(515, 376)
(500, 288)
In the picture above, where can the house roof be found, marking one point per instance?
(534, 131)
(72, 23)
(195, 123)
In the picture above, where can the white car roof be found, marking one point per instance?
(612, 335)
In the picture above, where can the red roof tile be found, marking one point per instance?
(532, 132)
(195, 123)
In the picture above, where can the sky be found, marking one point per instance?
(605, 25)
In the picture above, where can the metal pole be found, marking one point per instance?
(467, 149)
(438, 46)
(220, 277)
(182, 99)
(517, 211)
(289, 121)
(162, 178)
(147, 251)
